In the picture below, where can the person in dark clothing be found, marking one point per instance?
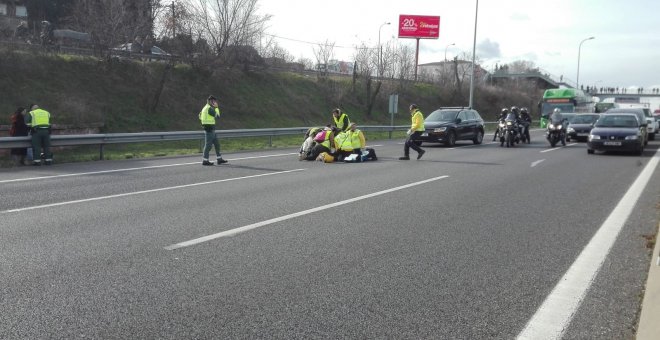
(207, 117)
(39, 122)
(18, 128)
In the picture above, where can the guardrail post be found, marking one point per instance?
(101, 152)
(270, 141)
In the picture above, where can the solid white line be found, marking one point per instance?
(555, 314)
(558, 147)
(131, 169)
(537, 162)
(144, 192)
(243, 229)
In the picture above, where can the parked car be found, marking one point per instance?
(616, 132)
(641, 117)
(448, 125)
(580, 126)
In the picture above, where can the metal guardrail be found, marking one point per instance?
(142, 137)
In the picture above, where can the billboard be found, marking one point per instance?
(419, 26)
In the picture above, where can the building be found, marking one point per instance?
(12, 14)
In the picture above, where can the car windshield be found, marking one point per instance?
(442, 116)
(617, 121)
(584, 119)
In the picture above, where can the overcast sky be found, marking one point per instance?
(625, 51)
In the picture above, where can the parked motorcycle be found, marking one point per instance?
(555, 132)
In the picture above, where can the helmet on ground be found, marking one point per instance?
(556, 110)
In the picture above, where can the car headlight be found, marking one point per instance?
(632, 137)
(442, 129)
(594, 137)
(570, 129)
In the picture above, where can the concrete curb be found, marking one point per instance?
(649, 327)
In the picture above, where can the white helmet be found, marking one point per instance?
(556, 110)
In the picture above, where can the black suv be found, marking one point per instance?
(447, 125)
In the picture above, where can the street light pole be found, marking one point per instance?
(577, 81)
(379, 50)
(452, 44)
(474, 47)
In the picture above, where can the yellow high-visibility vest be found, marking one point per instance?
(204, 116)
(40, 118)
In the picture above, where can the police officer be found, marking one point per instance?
(207, 117)
(340, 120)
(39, 122)
(416, 129)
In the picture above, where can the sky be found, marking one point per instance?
(625, 51)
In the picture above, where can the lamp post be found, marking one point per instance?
(379, 50)
(474, 48)
(452, 44)
(577, 78)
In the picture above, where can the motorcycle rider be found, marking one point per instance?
(502, 116)
(557, 119)
(526, 122)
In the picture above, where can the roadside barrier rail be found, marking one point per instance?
(142, 137)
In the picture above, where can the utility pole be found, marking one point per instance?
(173, 22)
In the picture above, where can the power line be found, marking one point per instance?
(316, 44)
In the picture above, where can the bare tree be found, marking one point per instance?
(225, 23)
(107, 21)
(366, 63)
(323, 54)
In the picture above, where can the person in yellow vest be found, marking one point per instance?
(343, 145)
(340, 120)
(39, 122)
(359, 142)
(207, 117)
(325, 140)
(416, 130)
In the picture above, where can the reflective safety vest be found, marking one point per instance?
(326, 142)
(341, 121)
(343, 141)
(40, 118)
(204, 116)
(417, 118)
(356, 143)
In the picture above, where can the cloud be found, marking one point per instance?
(487, 49)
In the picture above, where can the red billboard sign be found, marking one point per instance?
(419, 26)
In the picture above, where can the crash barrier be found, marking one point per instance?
(142, 137)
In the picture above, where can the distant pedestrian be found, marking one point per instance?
(18, 128)
(39, 122)
(415, 131)
(207, 117)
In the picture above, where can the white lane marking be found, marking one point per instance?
(248, 227)
(558, 147)
(144, 192)
(537, 162)
(555, 314)
(132, 169)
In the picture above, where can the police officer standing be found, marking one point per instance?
(207, 117)
(39, 122)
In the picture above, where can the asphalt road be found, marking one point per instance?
(466, 243)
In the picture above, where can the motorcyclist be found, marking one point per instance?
(516, 111)
(557, 119)
(502, 116)
(526, 122)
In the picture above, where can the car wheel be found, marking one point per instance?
(478, 138)
(590, 151)
(451, 139)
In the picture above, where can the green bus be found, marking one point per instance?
(567, 100)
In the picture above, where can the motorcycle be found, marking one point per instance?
(555, 133)
(511, 133)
